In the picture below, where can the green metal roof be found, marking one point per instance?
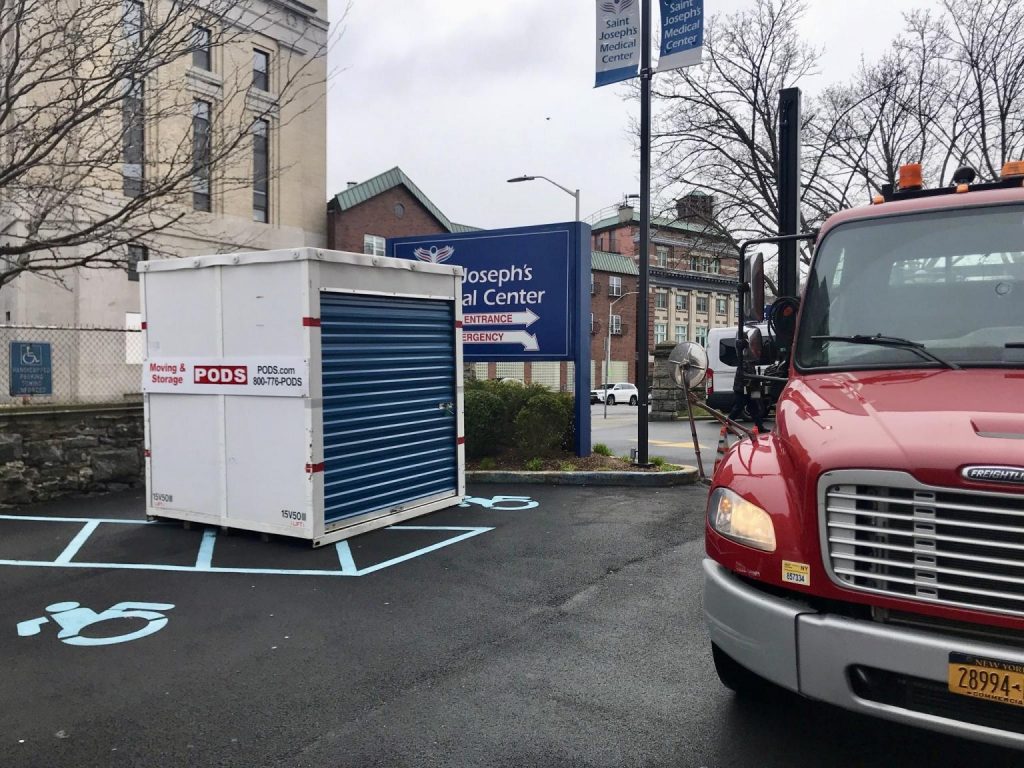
(360, 193)
(602, 261)
(675, 224)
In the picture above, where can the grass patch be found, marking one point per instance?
(488, 463)
(658, 461)
(566, 466)
(534, 465)
(700, 413)
(601, 449)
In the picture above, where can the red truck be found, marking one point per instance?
(869, 551)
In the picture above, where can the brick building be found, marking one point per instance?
(692, 267)
(614, 288)
(361, 217)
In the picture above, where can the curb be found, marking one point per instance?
(687, 476)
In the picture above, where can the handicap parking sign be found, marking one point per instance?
(31, 368)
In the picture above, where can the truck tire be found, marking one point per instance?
(735, 676)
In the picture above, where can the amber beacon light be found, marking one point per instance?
(910, 176)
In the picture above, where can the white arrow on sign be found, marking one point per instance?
(525, 319)
(528, 340)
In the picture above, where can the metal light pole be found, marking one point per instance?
(575, 194)
(608, 350)
(642, 317)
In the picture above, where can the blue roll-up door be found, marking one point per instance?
(389, 402)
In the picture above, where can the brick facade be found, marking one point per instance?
(623, 346)
(379, 216)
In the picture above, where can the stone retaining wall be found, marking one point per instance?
(68, 451)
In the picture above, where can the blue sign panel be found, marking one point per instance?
(523, 290)
(525, 296)
(31, 368)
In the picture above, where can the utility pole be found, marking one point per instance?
(642, 319)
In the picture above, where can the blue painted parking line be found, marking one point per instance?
(204, 557)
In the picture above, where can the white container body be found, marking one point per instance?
(233, 392)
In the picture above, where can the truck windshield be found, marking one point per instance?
(949, 281)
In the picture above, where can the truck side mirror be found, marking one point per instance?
(753, 279)
(783, 318)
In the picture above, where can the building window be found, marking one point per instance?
(681, 302)
(133, 127)
(261, 70)
(616, 325)
(716, 266)
(373, 245)
(591, 322)
(201, 58)
(701, 335)
(593, 285)
(614, 286)
(611, 241)
(201, 159)
(680, 333)
(702, 304)
(660, 332)
(136, 253)
(261, 171)
(134, 21)
(661, 300)
(661, 255)
(721, 306)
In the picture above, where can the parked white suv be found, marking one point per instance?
(617, 393)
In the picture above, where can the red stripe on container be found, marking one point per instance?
(145, 325)
(462, 441)
(148, 453)
(311, 322)
(458, 323)
(313, 468)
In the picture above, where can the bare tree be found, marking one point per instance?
(101, 143)
(717, 125)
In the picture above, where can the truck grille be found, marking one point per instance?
(886, 533)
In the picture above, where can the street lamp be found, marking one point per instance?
(567, 191)
(608, 350)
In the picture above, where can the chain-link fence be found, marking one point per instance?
(59, 365)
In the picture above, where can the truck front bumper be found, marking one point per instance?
(859, 665)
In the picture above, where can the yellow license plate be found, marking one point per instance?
(991, 679)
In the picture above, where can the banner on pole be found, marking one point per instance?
(618, 41)
(682, 34)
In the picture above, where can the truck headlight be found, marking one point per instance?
(736, 518)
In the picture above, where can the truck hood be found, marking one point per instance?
(930, 423)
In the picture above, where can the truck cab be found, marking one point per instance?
(869, 552)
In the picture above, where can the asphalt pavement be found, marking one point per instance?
(672, 440)
(535, 627)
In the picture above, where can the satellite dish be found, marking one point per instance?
(689, 364)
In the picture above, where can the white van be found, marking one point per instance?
(718, 382)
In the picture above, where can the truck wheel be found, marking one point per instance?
(735, 676)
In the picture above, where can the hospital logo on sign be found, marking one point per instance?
(435, 255)
(616, 6)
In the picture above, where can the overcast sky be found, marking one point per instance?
(464, 94)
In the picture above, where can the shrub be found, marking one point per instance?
(485, 414)
(602, 450)
(534, 465)
(658, 461)
(488, 463)
(541, 424)
(567, 466)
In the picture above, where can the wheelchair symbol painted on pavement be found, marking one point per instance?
(503, 503)
(72, 618)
